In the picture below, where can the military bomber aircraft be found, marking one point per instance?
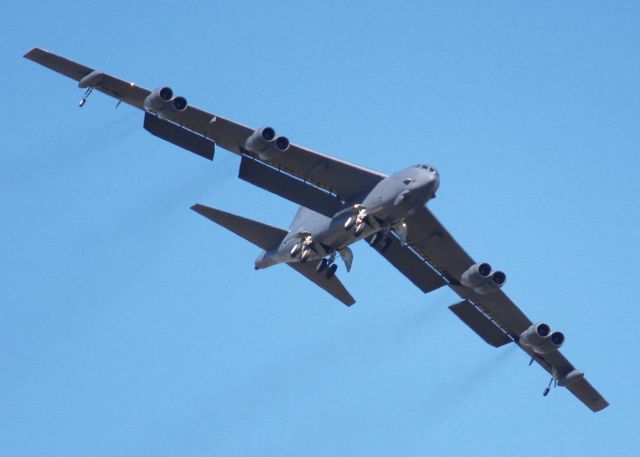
(341, 203)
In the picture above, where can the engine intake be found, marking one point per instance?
(540, 339)
(179, 104)
(482, 279)
(260, 139)
(274, 149)
(264, 143)
(158, 99)
(162, 102)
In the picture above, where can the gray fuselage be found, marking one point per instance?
(385, 208)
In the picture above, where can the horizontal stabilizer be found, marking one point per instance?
(333, 285)
(480, 323)
(289, 187)
(184, 138)
(266, 237)
(262, 235)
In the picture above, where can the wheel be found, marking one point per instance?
(385, 244)
(359, 229)
(331, 271)
(375, 239)
(295, 249)
(324, 263)
(349, 222)
(305, 255)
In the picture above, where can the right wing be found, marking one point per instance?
(340, 178)
(493, 316)
(410, 264)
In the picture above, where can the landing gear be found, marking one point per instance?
(350, 222)
(553, 381)
(327, 266)
(380, 241)
(322, 265)
(358, 221)
(303, 248)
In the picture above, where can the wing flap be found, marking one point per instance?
(286, 186)
(480, 323)
(179, 136)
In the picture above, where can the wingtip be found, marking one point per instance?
(31, 53)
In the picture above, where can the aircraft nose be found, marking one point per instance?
(436, 180)
(431, 182)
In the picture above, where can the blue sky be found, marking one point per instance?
(132, 326)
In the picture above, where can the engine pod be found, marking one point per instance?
(476, 275)
(159, 99)
(260, 139)
(482, 279)
(274, 149)
(535, 335)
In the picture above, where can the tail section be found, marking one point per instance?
(268, 237)
(262, 235)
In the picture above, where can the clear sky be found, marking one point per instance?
(131, 326)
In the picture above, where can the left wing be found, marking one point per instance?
(340, 178)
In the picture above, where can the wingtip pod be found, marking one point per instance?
(570, 378)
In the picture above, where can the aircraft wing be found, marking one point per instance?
(493, 316)
(340, 178)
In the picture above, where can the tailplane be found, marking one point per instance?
(268, 237)
(262, 235)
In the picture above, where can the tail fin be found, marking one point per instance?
(266, 237)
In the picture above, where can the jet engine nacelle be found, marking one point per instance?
(265, 143)
(482, 279)
(162, 101)
(540, 339)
